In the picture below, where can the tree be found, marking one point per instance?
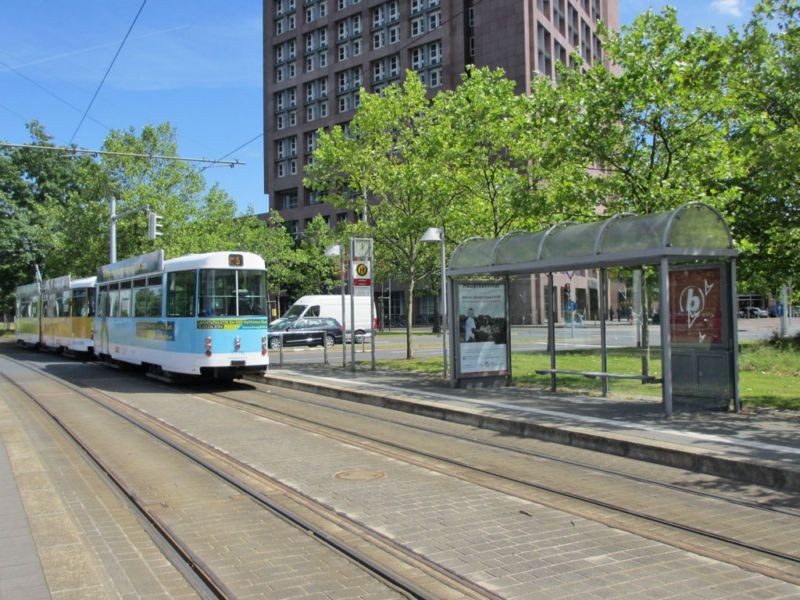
(381, 158)
(654, 122)
(766, 134)
(35, 187)
(492, 155)
(56, 209)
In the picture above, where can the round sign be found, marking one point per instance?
(362, 270)
(571, 305)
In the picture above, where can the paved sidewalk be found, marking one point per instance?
(21, 574)
(761, 447)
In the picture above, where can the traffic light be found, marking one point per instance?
(567, 288)
(153, 225)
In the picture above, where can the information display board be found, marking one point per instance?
(482, 329)
(696, 306)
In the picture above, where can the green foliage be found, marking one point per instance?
(766, 134)
(56, 211)
(653, 122)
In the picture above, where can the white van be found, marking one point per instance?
(331, 306)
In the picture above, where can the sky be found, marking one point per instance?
(195, 64)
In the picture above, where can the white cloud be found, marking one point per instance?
(733, 8)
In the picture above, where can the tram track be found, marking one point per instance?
(713, 544)
(365, 547)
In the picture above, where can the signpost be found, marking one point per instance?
(361, 252)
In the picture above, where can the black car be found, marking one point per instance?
(305, 332)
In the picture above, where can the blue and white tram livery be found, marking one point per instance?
(200, 314)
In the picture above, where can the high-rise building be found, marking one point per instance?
(318, 54)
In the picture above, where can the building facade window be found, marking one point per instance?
(385, 71)
(286, 199)
(426, 61)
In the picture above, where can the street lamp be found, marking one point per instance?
(337, 250)
(436, 234)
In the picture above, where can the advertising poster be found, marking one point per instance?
(482, 328)
(696, 306)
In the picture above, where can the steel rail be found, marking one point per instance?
(391, 578)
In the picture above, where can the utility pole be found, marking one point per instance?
(153, 225)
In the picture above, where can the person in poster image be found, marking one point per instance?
(469, 326)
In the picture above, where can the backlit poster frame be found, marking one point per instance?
(481, 329)
(697, 306)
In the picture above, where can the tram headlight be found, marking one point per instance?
(208, 346)
(263, 345)
(236, 343)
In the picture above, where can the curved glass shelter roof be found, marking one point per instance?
(692, 231)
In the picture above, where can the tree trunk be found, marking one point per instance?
(645, 326)
(437, 314)
(409, 318)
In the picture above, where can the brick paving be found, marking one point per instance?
(515, 548)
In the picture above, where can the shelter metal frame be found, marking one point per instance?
(693, 232)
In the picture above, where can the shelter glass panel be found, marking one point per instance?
(518, 247)
(571, 240)
(628, 234)
(698, 226)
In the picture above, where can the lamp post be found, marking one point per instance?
(436, 234)
(337, 250)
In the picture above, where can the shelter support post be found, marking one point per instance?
(666, 343)
(452, 323)
(734, 304)
(603, 311)
(551, 330)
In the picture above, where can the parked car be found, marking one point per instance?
(753, 312)
(305, 332)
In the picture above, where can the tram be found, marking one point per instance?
(67, 313)
(200, 314)
(57, 314)
(27, 324)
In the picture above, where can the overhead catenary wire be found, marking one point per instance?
(48, 92)
(73, 150)
(108, 70)
(247, 143)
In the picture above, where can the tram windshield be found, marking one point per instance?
(233, 292)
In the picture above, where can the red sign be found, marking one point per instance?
(695, 301)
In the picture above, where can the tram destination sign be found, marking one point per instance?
(152, 262)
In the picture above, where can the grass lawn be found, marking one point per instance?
(769, 372)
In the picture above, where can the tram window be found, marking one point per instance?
(81, 304)
(181, 293)
(139, 298)
(217, 292)
(102, 309)
(252, 293)
(125, 299)
(147, 301)
(113, 301)
(153, 307)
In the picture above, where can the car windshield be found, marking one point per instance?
(294, 311)
(280, 324)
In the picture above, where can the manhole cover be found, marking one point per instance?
(360, 474)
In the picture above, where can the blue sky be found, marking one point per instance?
(194, 64)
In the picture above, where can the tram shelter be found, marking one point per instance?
(693, 251)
